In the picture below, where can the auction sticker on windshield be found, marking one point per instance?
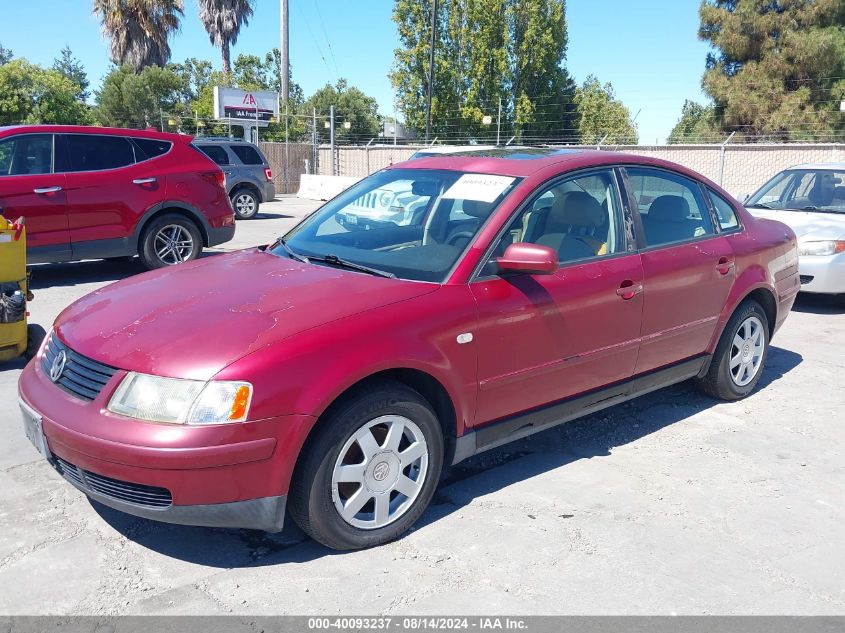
(480, 187)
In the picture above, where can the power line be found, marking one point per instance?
(326, 35)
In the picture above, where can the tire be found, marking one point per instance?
(749, 325)
(159, 231)
(245, 203)
(383, 513)
(35, 335)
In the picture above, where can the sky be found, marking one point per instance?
(647, 49)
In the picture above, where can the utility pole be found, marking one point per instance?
(314, 146)
(331, 137)
(431, 70)
(499, 122)
(284, 79)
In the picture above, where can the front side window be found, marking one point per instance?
(411, 223)
(670, 206)
(724, 212)
(26, 154)
(579, 217)
(248, 155)
(94, 152)
(802, 190)
(216, 153)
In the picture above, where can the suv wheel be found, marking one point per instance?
(245, 203)
(371, 471)
(740, 355)
(170, 239)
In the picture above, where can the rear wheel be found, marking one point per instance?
(371, 470)
(740, 355)
(245, 203)
(170, 239)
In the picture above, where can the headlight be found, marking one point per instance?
(821, 247)
(178, 401)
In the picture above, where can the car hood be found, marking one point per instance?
(192, 320)
(808, 225)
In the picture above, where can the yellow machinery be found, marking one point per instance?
(16, 339)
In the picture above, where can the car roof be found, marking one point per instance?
(522, 162)
(220, 139)
(454, 149)
(830, 166)
(88, 129)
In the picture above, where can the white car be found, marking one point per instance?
(810, 199)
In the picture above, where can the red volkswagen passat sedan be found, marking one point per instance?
(336, 371)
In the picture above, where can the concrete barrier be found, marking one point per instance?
(313, 187)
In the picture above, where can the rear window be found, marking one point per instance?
(216, 153)
(248, 154)
(92, 152)
(146, 148)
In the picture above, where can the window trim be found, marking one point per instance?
(644, 246)
(535, 194)
(69, 154)
(52, 171)
(708, 191)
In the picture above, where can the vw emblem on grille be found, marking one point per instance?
(58, 366)
(381, 471)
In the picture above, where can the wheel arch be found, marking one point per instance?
(763, 294)
(247, 184)
(179, 208)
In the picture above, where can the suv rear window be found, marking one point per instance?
(93, 152)
(147, 148)
(248, 154)
(216, 153)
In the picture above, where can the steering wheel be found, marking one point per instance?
(452, 239)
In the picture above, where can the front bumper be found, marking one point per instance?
(233, 476)
(822, 274)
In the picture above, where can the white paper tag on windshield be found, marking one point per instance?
(480, 187)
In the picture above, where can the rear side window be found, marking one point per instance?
(724, 211)
(216, 153)
(248, 154)
(92, 152)
(146, 148)
(27, 154)
(670, 205)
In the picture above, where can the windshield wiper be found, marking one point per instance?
(294, 255)
(334, 260)
(759, 205)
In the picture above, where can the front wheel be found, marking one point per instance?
(170, 239)
(370, 471)
(740, 355)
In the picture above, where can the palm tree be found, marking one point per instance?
(139, 30)
(223, 20)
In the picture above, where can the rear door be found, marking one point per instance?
(689, 269)
(29, 187)
(107, 192)
(546, 338)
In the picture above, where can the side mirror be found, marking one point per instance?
(531, 259)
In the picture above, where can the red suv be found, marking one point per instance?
(91, 193)
(336, 371)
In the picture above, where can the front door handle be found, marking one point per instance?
(143, 181)
(628, 290)
(724, 266)
(41, 190)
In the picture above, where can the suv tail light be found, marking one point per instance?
(269, 173)
(216, 178)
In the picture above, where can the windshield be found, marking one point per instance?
(803, 189)
(409, 223)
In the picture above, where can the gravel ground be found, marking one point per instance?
(671, 504)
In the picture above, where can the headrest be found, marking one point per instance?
(669, 209)
(576, 208)
(476, 208)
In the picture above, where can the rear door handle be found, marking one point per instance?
(46, 190)
(143, 181)
(628, 290)
(724, 266)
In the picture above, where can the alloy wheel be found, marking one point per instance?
(174, 244)
(245, 205)
(747, 349)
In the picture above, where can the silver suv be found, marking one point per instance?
(249, 179)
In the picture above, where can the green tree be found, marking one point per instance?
(195, 75)
(148, 98)
(72, 68)
(31, 94)
(223, 20)
(139, 30)
(696, 125)
(6, 55)
(778, 67)
(602, 116)
(351, 106)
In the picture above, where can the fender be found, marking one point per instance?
(190, 210)
(752, 278)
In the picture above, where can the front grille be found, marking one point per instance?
(127, 492)
(82, 377)
(805, 279)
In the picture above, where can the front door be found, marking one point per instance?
(547, 338)
(29, 188)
